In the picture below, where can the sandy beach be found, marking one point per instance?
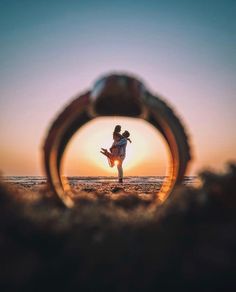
(105, 243)
(143, 188)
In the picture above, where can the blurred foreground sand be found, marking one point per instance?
(187, 244)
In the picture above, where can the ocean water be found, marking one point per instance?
(73, 180)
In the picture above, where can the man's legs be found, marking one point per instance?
(120, 170)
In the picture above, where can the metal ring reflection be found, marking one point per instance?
(115, 95)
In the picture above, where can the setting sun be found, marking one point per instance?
(146, 155)
(116, 162)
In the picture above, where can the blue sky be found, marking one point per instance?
(50, 50)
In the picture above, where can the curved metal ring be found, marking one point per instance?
(115, 95)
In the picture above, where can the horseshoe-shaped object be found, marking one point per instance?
(116, 95)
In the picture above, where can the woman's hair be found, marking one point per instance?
(117, 129)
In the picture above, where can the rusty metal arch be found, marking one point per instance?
(116, 95)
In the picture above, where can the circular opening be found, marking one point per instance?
(145, 165)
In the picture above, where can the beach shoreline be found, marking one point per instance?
(143, 189)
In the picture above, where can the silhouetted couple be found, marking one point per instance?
(117, 152)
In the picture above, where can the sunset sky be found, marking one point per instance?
(52, 50)
(146, 154)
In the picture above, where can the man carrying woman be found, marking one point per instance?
(118, 150)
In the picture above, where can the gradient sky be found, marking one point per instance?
(51, 50)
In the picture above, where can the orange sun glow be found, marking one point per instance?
(146, 155)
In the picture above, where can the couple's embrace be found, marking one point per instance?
(118, 150)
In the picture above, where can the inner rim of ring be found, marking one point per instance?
(161, 195)
(61, 185)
